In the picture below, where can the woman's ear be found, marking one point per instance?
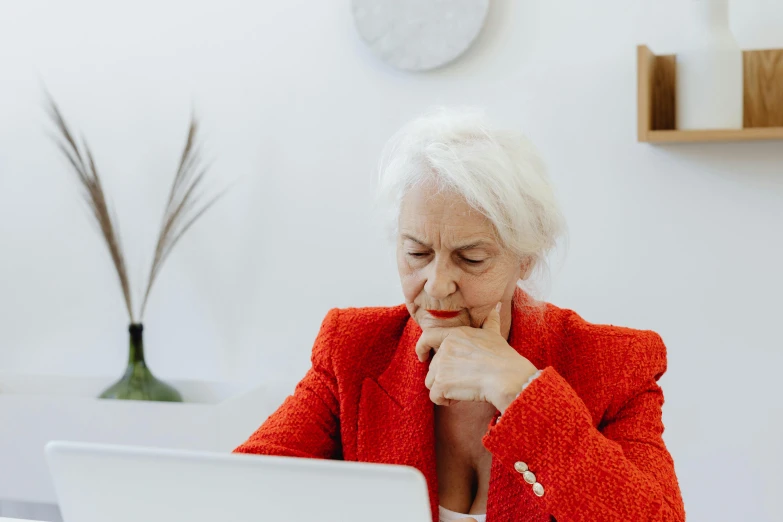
(526, 268)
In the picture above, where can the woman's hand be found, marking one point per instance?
(473, 364)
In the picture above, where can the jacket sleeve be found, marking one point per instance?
(619, 471)
(307, 423)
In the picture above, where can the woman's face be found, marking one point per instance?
(450, 261)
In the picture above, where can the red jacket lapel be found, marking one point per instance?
(396, 416)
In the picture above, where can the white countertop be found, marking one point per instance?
(217, 417)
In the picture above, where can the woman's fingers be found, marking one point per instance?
(430, 339)
(492, 322)
(429, 380)
(444, 380)
(446, 395)
(468, 519)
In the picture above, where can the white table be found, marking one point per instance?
(215, 417)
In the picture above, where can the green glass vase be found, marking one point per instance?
(138, 383)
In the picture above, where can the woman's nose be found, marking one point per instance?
(440, 281)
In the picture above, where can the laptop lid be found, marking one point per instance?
(108, 483)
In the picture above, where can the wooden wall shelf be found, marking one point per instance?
(762, 99)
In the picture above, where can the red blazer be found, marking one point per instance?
(589, 427)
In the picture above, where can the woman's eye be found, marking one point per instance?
(473, 261)
(417, 254)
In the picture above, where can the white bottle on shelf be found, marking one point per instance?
(709, 70)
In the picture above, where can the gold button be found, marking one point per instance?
(538, 489)
(520, 466)
(529, 477)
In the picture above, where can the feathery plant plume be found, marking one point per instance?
(183, 208)
(87, 174)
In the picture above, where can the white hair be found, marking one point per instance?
(497, 171)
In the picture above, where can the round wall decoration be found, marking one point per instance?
(418, 35)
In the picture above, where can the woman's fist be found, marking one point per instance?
(473, 364)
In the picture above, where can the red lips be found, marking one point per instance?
(443, 314)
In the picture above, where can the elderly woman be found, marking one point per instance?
(512, 409)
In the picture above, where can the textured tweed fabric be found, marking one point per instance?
(589, 427)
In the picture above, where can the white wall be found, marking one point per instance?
(685, 240)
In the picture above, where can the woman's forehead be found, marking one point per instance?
(444, 217)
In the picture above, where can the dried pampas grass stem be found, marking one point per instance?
(184, 207)
(88, 176)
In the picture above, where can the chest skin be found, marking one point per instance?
(463, 463)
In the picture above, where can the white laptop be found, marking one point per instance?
(105, 483)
